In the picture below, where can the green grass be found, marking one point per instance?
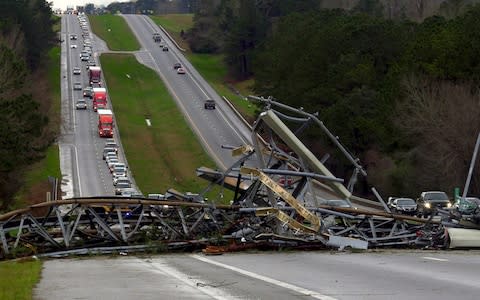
(115, 31)
(210, 66)
(166, 154)
(18, 278)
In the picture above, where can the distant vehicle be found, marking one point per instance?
(95, 75)
(118, 173)
(406, 206)
(162, 45)
(181, 70)
(90, 63)
(209, 104)
(467, 205)
(99, 98)
(88, 92)
(177, 65)
(164, 48)
(77, 71)
(73, 36)
(123, 186)
(156, 196)
(107, 150)
(77, 86)
(84, 56)
(81, 104)
(73, 46)
(105, 123)
(156, 37)
(429, 201)
(111, 145)
(123, 179)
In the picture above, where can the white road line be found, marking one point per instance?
(434, 258)
(162, 267)
(279, 283)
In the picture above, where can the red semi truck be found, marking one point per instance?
(105, 123)
(99, 98)
(95, 75)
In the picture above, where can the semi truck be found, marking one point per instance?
(99, 98)
(95, 75)
(105, 123)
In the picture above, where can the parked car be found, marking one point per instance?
(76, 71)
(399, 205)
(209, 104)
(181, 70)
(467, 205)
(77, 86)
(429, 201)
(81, 104)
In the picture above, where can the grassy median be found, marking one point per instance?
(18, 278)
(162, 155)
(115, 31)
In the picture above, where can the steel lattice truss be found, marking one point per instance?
(279, 187)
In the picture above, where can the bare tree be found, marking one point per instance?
(443, 119)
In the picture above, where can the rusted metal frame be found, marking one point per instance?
(73, 227)
(4, 240)
(182, 219)
(120, 222)
(42, 232)
(137, 225)
(269, 102)
(62, 226)
(165, 224)
(102, 224)
(199, 219)
(12, 217)
(20, 230)
(50, 210)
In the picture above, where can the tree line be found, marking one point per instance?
(26, 35)
(402, 95)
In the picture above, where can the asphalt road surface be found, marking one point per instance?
(296, 275)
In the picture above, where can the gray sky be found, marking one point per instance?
(64, 3)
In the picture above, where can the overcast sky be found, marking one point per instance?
(62, 4)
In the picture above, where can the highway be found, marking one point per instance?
(80, 146)
(213, 127)
(295, 275)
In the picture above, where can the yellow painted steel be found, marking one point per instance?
(299, 208)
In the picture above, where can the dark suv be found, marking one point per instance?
(428, 202)
(209, 104)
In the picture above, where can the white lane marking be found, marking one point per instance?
(163, 268)
(78, 172)
(434, 258)
(279, 283)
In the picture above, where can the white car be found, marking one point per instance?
(120, 180)
(73, 46)
(76, 71)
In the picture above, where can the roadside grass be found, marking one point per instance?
(174, 24)
(36, 176)
(115, 31)
(19, 278)
(166, 154)
(210, 66)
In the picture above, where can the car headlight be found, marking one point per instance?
(427, 205)
(449, 204)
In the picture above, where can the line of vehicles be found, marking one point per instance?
(95, 95)
(430, 202)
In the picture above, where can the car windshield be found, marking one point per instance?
(405, 202)
(436, 196)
